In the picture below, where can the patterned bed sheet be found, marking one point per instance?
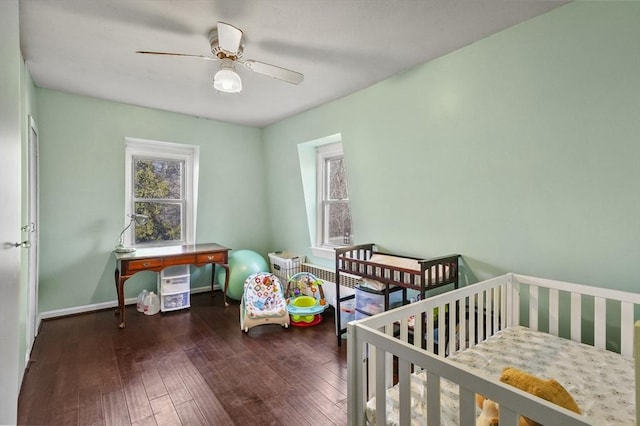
(601, 382)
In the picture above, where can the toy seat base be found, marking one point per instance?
(317, 319)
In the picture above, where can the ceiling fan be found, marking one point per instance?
(227, 47)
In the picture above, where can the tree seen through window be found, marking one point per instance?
(159, 193)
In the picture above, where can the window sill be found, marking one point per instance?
(323, 252)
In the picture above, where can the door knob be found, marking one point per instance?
(24, 244)
(29, 228)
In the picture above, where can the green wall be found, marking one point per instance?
(521, 152)
(82, 191)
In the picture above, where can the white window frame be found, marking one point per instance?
(190, 155)
(323, 154)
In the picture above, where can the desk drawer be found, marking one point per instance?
(137, 265)
(219, 257)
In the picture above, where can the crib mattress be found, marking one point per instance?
(601, 382)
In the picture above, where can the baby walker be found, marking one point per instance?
(305, 310)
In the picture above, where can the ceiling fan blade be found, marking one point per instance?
(283, 74)
(229, 38)
(148, 52)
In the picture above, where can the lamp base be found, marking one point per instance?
(124, 250)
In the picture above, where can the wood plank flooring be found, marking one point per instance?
(190, 367)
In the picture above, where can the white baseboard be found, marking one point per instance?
(104, 305)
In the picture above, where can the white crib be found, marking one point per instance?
(602, 319)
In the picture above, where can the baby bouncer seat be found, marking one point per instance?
(263, 302)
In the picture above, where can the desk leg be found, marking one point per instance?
(120, 291)
(226, 283)
(213, 276)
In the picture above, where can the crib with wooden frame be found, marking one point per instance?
(583, 334)
(365, 262)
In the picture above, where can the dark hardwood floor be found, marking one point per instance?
(190, 367)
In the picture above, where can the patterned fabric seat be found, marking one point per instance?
(263, 302)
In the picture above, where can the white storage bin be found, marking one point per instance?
(182, 279)
(174, 287)
(372, 302)
(175, 301)
(347, 311)
(284, 264)
(175, 271)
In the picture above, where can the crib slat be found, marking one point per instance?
(514, 301)
(380, 386)
(462, 333)
(433, 398)
(417, 330)
(553, 311)
(533, 307)
(430, 330)
(389, 359)
(404, 330)
(496, 309)
(467, 408)
(508, 417)
(357, 378)
(503, 306)
(442, 339)
(600, 323)
(404, 379)
(452, 328)
(481, 320)
(626, 339)
(472, 320)
(576, 317)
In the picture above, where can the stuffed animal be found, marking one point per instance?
(489, 416)
(549, 390)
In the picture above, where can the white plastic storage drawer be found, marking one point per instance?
(184, 279)
(174, 287)
(175, 301)
(347, 311)
(372, 302)
(175, 271)
(173, 280)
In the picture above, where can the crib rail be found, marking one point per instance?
(603, 300)
(433, 273)
(465, 317)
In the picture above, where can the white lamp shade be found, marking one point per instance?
(227, 80)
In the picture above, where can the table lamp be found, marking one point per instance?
(139, 219)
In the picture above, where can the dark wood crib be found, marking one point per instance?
(363, 261)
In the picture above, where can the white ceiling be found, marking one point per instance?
(341, 46)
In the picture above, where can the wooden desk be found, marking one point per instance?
(158, 258)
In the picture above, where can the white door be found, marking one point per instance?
(10, 206)
(30, 233)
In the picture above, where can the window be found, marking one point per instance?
(326, 195)
(161, 183)
(334, 214)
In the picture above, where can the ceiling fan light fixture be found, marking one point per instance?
(226, 79)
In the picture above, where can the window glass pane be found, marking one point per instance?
(339, 224)
(157, 179)
(164, 222)
(337, 179)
